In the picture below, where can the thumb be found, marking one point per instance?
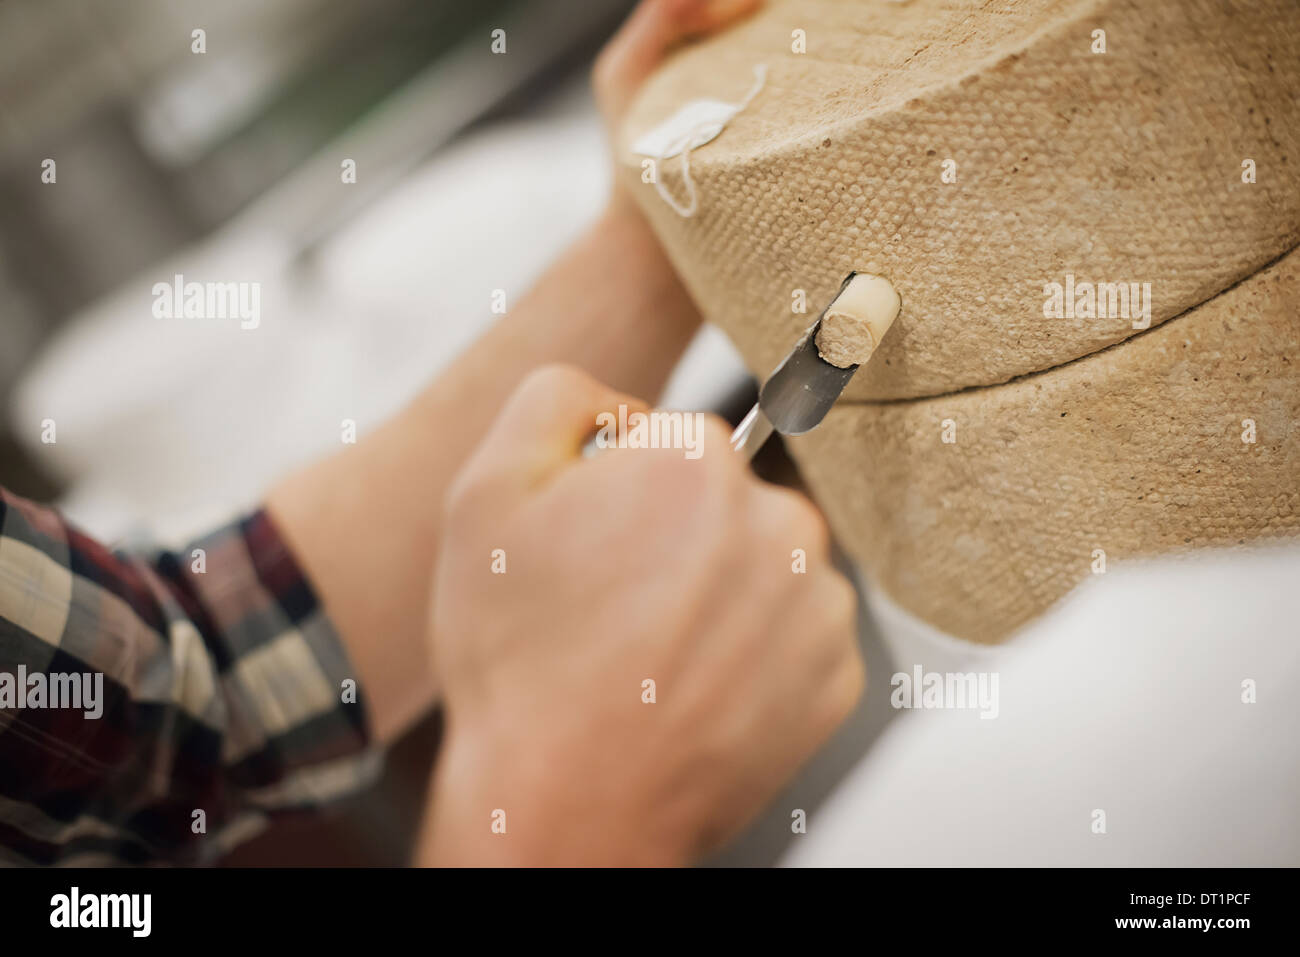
(539, 432)
(655, 28)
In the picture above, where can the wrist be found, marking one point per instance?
(514, 807)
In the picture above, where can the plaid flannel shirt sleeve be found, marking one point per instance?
(224, 691)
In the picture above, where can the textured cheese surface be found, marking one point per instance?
(980, 153)
(974, 152)
(1182, 438)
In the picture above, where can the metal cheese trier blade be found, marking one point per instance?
(797, 396)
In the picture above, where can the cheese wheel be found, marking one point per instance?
(1089, 208)
(975, 153)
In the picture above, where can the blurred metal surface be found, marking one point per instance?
(157, 146)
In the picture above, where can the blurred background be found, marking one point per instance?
(473, 170)
(227, 162)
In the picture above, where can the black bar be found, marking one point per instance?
(435, 910)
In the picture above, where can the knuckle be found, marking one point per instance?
(549, 397)
(840, 602)
(847, 688)
(466, 498)
(716, 464)
(813, 522)
(665, 472)
(715, 440)
(797, 517)
(550, 380)
(662, 476)
(842, 681)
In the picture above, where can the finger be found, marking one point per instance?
(653, 29)
(541, 430)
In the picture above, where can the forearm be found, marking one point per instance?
(365, 523)
(612, 306)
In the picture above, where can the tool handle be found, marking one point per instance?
(754, 430)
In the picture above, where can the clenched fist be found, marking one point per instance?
(631, 664)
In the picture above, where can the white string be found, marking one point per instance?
(689, 210)
(760, 77)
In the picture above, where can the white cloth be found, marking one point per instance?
(1126, 699)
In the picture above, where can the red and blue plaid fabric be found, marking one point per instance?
(223, 694)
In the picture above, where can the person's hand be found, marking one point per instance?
(653, 30)
(565, 585)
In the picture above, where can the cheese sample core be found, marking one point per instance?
(857, 320)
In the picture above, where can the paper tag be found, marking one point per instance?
(696, 123)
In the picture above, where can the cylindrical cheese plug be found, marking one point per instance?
(857, 320)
